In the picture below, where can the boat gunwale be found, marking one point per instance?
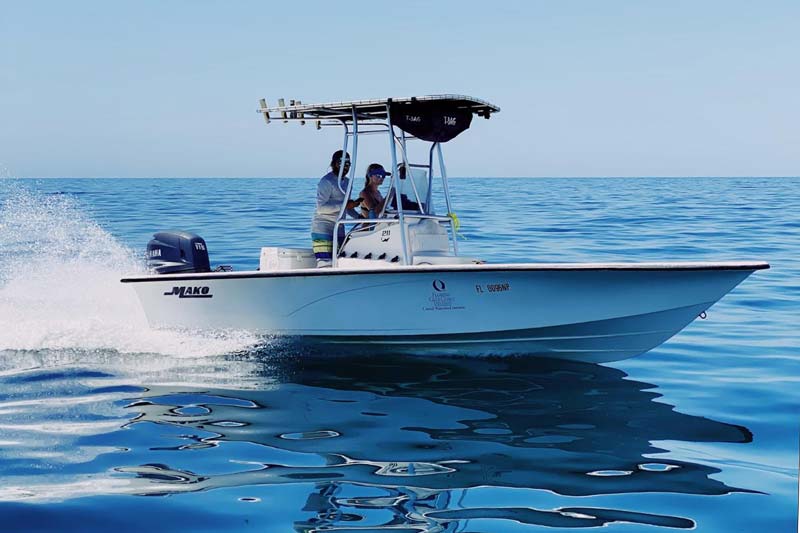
(429, 269)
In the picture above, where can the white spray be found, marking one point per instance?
(60, 289)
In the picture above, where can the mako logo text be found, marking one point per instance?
(190, 292)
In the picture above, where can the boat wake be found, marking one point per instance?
(60, 289)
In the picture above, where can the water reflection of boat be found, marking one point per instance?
(404, 438)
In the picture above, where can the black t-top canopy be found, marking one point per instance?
(435, 118)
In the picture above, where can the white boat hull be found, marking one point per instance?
(574, 311)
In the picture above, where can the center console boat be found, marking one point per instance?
(398, 283)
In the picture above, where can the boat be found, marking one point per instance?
(398, 283)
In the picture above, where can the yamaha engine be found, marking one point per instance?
(173, 252)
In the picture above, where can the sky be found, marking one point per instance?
(170, 88)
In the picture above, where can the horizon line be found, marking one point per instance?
(787, 176)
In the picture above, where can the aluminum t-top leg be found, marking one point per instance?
(443, 170)
(400, 218)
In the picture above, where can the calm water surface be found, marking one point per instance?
(108, 425)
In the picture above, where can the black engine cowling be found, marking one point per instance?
(172, 252)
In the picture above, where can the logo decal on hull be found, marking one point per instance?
(440, 299)
(190, 292)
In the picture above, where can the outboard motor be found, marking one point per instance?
(173, 252)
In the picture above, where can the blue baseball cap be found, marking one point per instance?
(378, 170)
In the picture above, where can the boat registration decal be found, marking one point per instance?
(493, 287)
(190, 292)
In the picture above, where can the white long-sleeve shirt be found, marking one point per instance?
(329, 201)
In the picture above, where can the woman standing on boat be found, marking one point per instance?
(329, 201)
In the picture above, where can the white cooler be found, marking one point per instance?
(275, 259)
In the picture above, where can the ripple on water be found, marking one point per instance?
(311, 435)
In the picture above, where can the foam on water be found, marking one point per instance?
(60, 289)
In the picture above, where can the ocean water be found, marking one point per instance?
(107, 425)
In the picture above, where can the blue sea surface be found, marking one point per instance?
(107, 425)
